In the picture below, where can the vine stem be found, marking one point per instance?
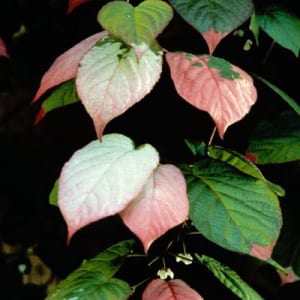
(133, 288)
(212, 136)
(268, 52)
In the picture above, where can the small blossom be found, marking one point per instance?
(165, 273)
(186, 258)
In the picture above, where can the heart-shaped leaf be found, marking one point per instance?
(214, 85)
(229, 278)
(93, 279)
(65, 94)
(214, 19)
(234, 210)
(65, 66)
(162, 205)
(176, 289)
(3, 49)
(282, 25)
(110, 79)
(102, 178)
(136, 26)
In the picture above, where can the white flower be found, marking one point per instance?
(165, 273)
(186, 258)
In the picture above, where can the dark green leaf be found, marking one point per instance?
(93, 279)
(229, 278)
(196, 147)
(214, 15)
(92, 286)
(241, 163)
(278, 141)
(282, 26)
(231, 208)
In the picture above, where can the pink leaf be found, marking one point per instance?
(213, 38)
(214, 85)
(3, 49)
(102, 178)
(262, 252)
(289, 278)
(74, 3)
(162, 205)
(110, 79)
(65, 66)
(176, 289)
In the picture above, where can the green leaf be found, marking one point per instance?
(278, 141)
(93, 279)
(254, 27)
(196, 147)
(217, 15)
(290, 101)
(93, 286)
(53, 197)
(232, 209)
(281, 25)
(136, 26)
(64, 95)
(229, 278)
(241, 163)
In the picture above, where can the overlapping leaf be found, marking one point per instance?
(214, 19)
(241, 163)
(162, 205)
(64, 95)
(283, 26)
(102, 178)
(214, 85)
(65, 66)
(110, 79)
(229, 278)
(176, 289)
(136, 26)
(277, 141)
(232, 209)
(93, 279)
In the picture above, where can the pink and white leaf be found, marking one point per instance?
(176, 289)
(102, 178)
(212, 84)
(65, 66)
(3, 49)
(162, 205)
(110, 79)
(75, 3)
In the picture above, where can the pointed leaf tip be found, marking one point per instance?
(65, 66)
(162, 205)
(214, 19)
(102, 178)
(110, 79)
(214, 85)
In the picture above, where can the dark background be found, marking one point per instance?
(31, 156)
